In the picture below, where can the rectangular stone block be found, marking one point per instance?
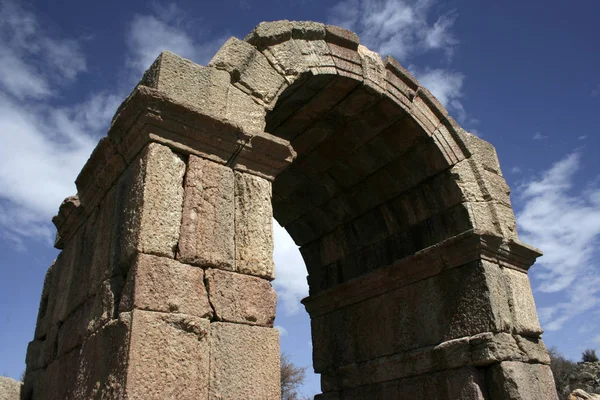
(520, 381)
(102, 265)
(207, 227)
(253, 226)
(161, 284)
(168, 356)
(241, 298)
(249, 67)
(464, 384)
(244, 362)
(102, 362)
(520, 298)
(187, 82)
(149, 204)
(59, 300)
(453, 304)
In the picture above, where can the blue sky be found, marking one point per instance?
(522, 75)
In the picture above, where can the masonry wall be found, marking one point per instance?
(163, 291)
(418, 280)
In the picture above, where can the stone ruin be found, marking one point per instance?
(418, 281)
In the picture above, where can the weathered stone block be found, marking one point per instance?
(99, 173)
(151, 197)
(203, 88)
(464, 384)
(253, 226)
(168, 356)
(102, 362)
(207, 227)
(520, 381)
(244, 111)
(248, 67)
(241, 298)
(483, 152)
(161, 284)
(244, 362)
(10, 389)
(456, 303)
(520, 298)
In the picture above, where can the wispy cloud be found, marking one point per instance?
(290, 271)
(166, 29)
(565, 224)
(446, 86)
(596, 91)
(397, 27)
(406, 29)
(32, 60)
(44, 146)
(539, 136)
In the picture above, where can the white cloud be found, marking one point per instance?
(397, 27)
(566, 226)
(406, 29)
(539, 136)
(516, 170)
(290, 271)
(44, 146)
(445, 85)
(43, 150)
(149, 35)
(33, 60)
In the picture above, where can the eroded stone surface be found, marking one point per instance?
(253, 226)
(241, 298)
(244, 362)
(10, 389)
(162, 284)
(168, 356)
(520, 381)
(207, 228)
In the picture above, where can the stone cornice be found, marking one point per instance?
(149, 115)
(454, 252)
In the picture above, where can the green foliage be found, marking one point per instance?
(563, 371)
(589, 355)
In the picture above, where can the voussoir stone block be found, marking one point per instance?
(168, 356)
(241, 298)
(249, 67)
(244, 362)
(207, 228)
(162, 284)
(253, 226)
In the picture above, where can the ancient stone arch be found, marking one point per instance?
(418, 281)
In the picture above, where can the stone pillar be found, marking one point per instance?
(457, 321)
(162, 288)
